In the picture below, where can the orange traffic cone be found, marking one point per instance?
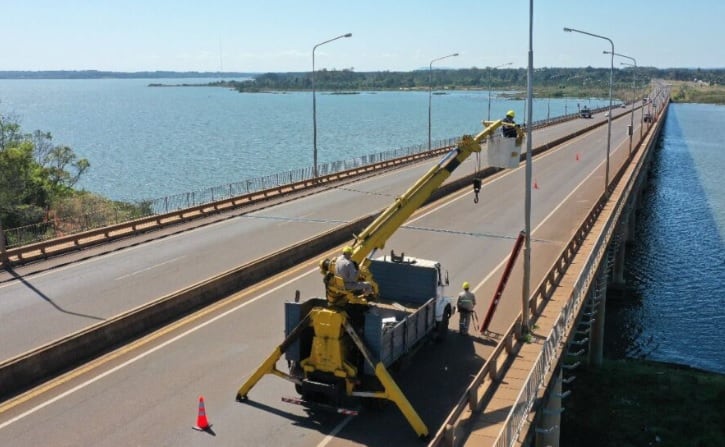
(202, 424)
(577, 156)
(536, 185)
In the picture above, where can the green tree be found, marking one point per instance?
(33, 173)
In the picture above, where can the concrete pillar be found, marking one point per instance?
(632, 218)
(596, 343)
(549, 427)
(618, 268)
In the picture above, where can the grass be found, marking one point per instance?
(699, 93)
(639, 403)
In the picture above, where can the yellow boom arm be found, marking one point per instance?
(382, 228)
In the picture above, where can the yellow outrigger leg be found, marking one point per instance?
(392, 390)
(268, 366)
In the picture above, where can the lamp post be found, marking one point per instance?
(634, 96)
(609, 115)
(430, 88)
(314, 102)
(489, 85)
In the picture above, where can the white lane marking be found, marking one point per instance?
(149, 268)
(150, 351)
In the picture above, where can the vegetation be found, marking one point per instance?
(548, 82)
(699, 92)
(640, 403)
(37, 181)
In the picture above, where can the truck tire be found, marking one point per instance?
(442, 329)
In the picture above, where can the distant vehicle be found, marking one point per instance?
(606, 115)
(647, 118)
(624, 106)
(585, 113)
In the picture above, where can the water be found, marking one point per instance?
(145, 143)
(676, 267)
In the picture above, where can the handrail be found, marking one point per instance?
(65, 244)
(481, 387)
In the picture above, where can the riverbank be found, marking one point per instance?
(698, 92)
(644, 403)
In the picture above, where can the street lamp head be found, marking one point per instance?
(568, 30)
(348, 35)
(454, 54)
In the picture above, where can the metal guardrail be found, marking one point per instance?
(481, 388)
(181, 207)
(60, 245)
(187, 206)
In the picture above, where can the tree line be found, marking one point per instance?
(554, 82)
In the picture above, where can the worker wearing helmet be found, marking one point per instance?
(509, 126)
(466, 304)
(348, 271)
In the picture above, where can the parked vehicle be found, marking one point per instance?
(339, 346)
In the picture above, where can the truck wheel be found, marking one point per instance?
(442, 331)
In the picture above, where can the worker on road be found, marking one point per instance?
(465, 304)
(348, 271)
(509, 126)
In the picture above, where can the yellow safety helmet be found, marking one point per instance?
(347, 250)
(510, 113)
(466, 286)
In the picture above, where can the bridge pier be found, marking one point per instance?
(596, 343)
(549, 426)
(621, 251)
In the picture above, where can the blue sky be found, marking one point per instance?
(395, 35)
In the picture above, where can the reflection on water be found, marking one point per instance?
(674, 306)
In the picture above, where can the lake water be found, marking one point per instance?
(145, 143)
(675, 269)
(150, 142)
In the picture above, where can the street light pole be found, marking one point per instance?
(314, 102)
(634, 96)
(489, 85)
(609, 115)
(430, 88)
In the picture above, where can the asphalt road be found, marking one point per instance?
(58, 301)
(146, 393)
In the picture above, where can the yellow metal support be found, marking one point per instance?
(267, 367)
(396, 395)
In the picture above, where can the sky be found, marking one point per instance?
(392, 35)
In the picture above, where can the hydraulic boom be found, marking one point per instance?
(335, 354)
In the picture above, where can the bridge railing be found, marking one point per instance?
(481, 388)
(53, 237)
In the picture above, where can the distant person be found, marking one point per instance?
(348, 271)
(466, 304)
(509, 126)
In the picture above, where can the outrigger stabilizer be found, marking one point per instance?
(336, 318)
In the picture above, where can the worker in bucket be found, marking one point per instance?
(465, 305)
(348, 271)
(509, 126)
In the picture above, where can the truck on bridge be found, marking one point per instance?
(339, 347)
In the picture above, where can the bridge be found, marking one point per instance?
(94, 357)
